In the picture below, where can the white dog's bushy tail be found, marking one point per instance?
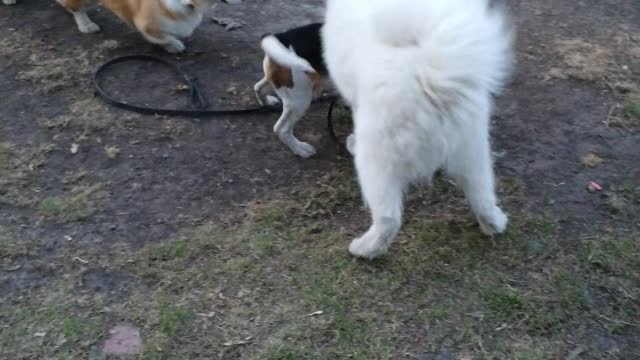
(460, 44)
(283, 56)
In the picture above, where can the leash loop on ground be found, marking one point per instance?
(197, 103)
(196, 100)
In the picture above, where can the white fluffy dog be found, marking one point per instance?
(419, 75)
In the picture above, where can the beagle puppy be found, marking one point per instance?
(295, 69)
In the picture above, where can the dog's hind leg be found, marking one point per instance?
(77, 9)
(260, 87)
(295, 103)
(382, 185)
(260, 90)
(382, 189)
(471, 166)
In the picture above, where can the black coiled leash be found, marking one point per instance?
(197, 103)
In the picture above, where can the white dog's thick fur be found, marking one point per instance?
(419, 75)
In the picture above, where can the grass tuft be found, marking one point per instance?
(632, 108)
(171, 318)
(504, 304)
(77, 207)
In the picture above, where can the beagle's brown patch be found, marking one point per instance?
(279, 76)
(316, 79)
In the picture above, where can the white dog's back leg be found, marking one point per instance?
(471, 166)
(382, 187)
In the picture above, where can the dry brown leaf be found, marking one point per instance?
(591, 160)
(112, 151)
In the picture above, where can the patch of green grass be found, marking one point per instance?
(10, 248)
(75, 328)
(157, 348)
(77, 207)
(619, 256)
(632, 107)
(52, 323)
(263, 243)
(568, 290)
(332, 336)
(343, 335)
(17, 164)
(284, 352)
(622, 199)
(458, 245)
(526, 349)
(539, 226)
(504, 304)
(168, 251)
(171, 318)
(273, 214)
(333, 194)
(617, 203)
(272, 224)
(319, 284)
(530, 234)
(432, 231)
(437, 312)
(540, 309)
(443, 185)
(280, 284)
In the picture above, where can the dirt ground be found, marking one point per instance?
(209, 239)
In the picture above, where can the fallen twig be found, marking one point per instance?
(80, 260)
(619, 322)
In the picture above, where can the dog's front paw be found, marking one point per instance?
(88, 28)
(494, 223)
(175, 47)
(303, 149)
(368, 246)
(9, 2)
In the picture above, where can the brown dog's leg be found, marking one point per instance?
(154, 35)
(77, 9)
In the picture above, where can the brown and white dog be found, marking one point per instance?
(161, 22)
(295, 69)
